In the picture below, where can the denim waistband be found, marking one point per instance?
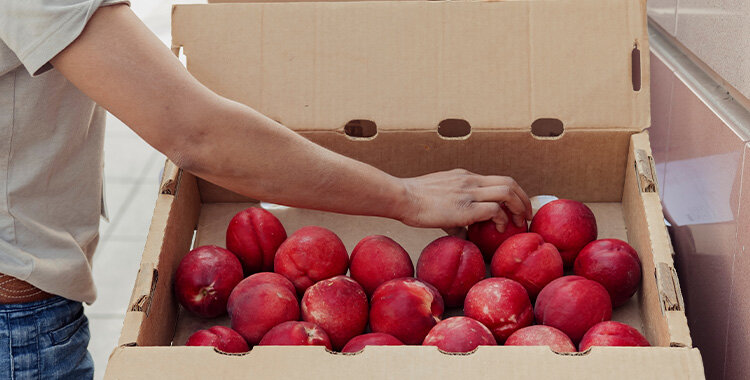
(32, 305)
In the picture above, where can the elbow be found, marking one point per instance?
(185, 161)
(190, 154)
(188, 141)
(181, 143)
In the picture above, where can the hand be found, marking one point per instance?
(454, 199)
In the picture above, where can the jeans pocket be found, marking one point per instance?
(65, 355)
(64, 333)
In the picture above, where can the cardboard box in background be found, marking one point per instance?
(377, 81)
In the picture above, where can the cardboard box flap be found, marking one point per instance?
(496, 65)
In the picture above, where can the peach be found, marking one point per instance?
(204, 279)
(266, 278)
(541, 335)
(359, 342)
(406, 308)
(526, 258)
(487, 238)
(296, 333)
(254, 235)
(568, 225)
(339, 306)
(377, 259)
(223, 338)
(501, 304)
(612, 263)
(573, 304)
(311, 254)
(255, 309)
(459, 334)
(452, 266)
(611, 333)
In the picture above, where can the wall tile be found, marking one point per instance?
(718, 32)
(663, 12)
(738, 338)
(702, 172)
(662, 82)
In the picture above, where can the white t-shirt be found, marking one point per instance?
(51, 142)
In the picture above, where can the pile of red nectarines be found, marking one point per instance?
(309, 300)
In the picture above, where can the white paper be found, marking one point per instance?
(698, 190)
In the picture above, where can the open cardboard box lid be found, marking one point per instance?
(408, 65)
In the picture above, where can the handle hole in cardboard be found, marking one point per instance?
(635, 62)
(361, 129)
(547, 128)
(454, 128)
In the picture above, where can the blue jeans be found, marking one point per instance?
(45, 340)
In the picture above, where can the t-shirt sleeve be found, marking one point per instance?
(37, 30)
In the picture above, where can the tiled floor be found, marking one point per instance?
(131, 172)
(132, 176)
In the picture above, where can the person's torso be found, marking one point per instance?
(51, 141)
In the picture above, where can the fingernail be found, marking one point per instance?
(500, 227)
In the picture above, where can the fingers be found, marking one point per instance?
(504, 194)
(501, 221)
(495, 180)
(459, 232)
(481, 211)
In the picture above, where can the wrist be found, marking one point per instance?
(401, 205)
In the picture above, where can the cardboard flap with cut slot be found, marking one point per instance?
(496, 65)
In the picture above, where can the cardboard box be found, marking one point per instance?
(502, 69)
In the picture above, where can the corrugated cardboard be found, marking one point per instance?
(409, 65)
(406, 66)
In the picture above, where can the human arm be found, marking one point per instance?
(122, 66)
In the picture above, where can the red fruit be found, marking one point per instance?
(377, 259)
(612, 333)
(540, 335)
(257, 308)
(311, 254)
(487, 238)
(296, 333)
(459, 334)
(405, 308)
(339, 306)
(500, 304)
(566, 224)
(204, 280)
(573, 304)
(223, 338)
(254, 235)
(612, 263)
(359, 342)
(266, 278)
(526, 258)
(451, 265)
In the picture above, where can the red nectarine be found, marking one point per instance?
(453, 266)
(377, 259)
(406, 308)
(254, 235)
(311, 254)
(501, 304)
(573, 304)
(568, 225)
(204, 279)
